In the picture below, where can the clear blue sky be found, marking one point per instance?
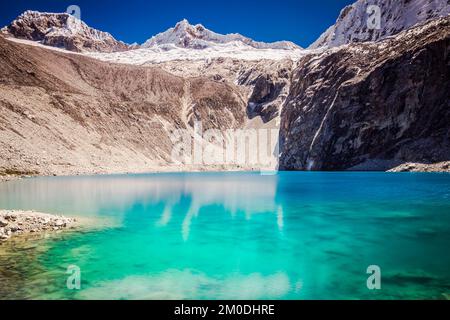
(300, 21)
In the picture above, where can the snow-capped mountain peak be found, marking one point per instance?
(395, 16)
(185, 42)
(62, 30)
(185, 35)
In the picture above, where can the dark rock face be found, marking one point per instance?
(371, 106)
(261, 102)
(270, 90)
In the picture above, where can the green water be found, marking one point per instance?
(235, 236)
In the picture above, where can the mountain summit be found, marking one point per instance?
(185, 35)
(62, 30)
(396, 16)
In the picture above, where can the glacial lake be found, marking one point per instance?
(293, 235)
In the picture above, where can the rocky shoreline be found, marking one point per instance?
(422, 167)
(405, 167)
(14, 223)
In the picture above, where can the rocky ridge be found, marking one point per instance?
(185, 35)
(395, 16)
(62, 30)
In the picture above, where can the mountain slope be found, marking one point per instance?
(63, 31)
(259, 72)
(264, 84)
(396, 16)
(371, 106)
(64, 113)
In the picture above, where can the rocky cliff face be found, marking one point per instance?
(371, 105)
(395, 16)
(269, 89)
(63, 31)
(63, 113)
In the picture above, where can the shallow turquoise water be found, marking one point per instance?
(235, 236)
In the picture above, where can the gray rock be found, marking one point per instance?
(60, 223)
(385, 100)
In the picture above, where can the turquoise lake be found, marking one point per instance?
(293, 235)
